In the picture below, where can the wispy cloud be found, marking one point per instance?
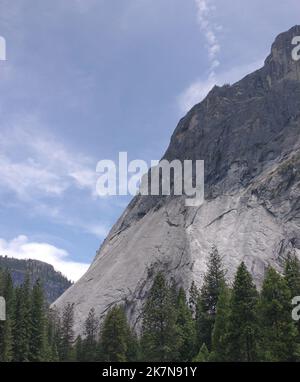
(205, 9)
(199, 88)
(22, 248)
(35, 164)
(39, 172)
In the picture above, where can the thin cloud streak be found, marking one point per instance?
(205, 8)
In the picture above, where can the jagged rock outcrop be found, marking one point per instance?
(248, 134)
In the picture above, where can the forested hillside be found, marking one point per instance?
(54, 283)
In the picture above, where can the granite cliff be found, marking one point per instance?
(248, 134)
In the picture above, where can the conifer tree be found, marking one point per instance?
(292, 274)
(89, 344)
(186, 328)
(133, 346)
(292, 278)
(37, 345)
(115, 336)
(203, 355)
(22, 324)
(160, 335)
(278, 333)
(220, 331)
(6, 354)
(53, 329)
(214, 280)
(243, 326)
(67, 334)
(194, 295)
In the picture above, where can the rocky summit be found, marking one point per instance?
(248, 134)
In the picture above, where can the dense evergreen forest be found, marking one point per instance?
(219, 322)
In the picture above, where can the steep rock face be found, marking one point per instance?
(248, 136)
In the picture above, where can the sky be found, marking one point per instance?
(86, 79)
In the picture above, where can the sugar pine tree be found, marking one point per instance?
(89, 344)
(243, 328)
(186, 328)
(214, 280)
(67, 333)
(278, 333)
(22, 324)
(160, 335)
(220, 332)
(115, 336)
(37, 345)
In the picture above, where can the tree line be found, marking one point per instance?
(218, 322)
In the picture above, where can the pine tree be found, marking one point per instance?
(22, 324)
(115, 336)
(214, 281)
(186, 328)
(160, 335)
(243, 326)
(67, 334)
(278, 333)
(220, 331)
(89, 344)
(37, 345)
